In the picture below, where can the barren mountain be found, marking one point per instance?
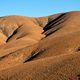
(44, 48)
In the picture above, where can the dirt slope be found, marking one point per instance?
(44, 48)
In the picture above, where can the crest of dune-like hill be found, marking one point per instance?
(44, 48)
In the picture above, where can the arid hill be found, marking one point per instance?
(44, 48)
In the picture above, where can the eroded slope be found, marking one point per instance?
(45, 48)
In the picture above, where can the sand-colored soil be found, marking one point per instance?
(44, 48)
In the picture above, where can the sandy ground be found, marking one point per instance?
(44, 48)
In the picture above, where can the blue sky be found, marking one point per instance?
(37, 8)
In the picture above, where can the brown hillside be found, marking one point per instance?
(44, 48)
